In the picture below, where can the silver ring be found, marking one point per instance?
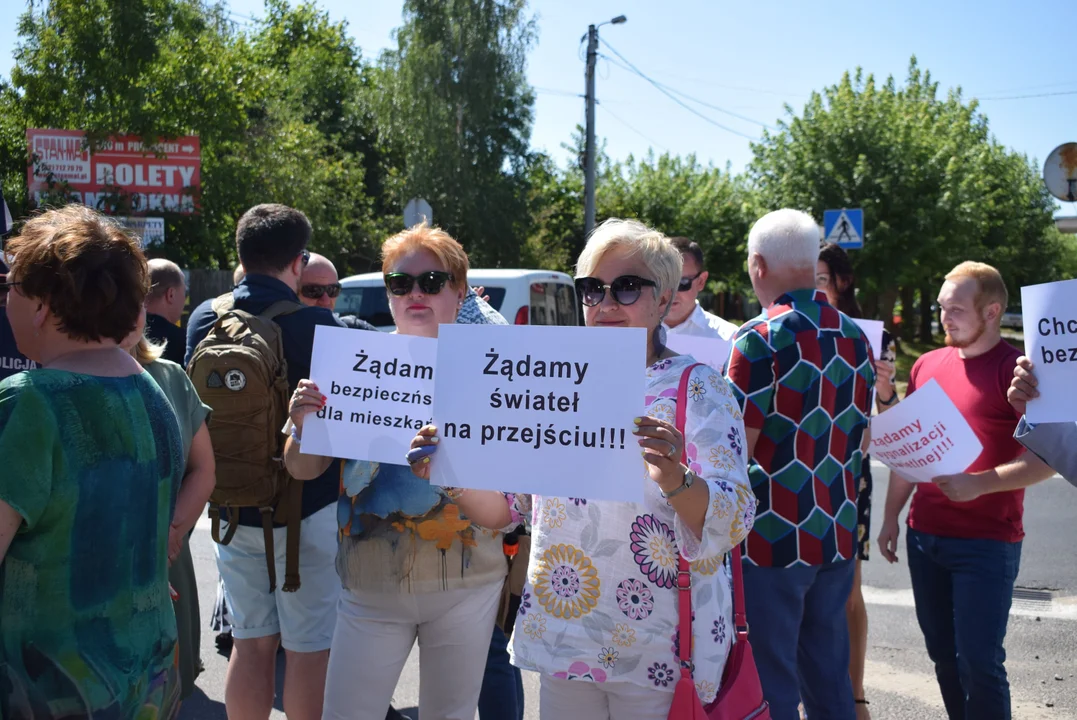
(672, 451)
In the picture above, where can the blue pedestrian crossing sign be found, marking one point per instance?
(844, 228)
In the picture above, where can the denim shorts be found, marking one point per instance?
(304, 619)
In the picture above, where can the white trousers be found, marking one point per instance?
(374, 635)
(583, 700)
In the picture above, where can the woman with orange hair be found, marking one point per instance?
(411, 563)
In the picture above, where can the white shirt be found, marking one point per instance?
(600, 603)
(704, 324)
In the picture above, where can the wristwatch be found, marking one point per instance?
(687, 482)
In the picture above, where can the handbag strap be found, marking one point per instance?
(684, 569)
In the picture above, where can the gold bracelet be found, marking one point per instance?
(453, 493)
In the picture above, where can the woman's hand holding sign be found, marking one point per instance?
(422, 447)
(306, 399)
(663, 446)
(486, 508)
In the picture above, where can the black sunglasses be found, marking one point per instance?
(625, 290)
(430, 282)
(5, 286)
(686, 282)
(315, 292)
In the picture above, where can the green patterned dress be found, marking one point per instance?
(92, 465)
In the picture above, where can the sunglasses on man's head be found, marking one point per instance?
(624, 290)
(315, 292)
(686, 282)
(430, 283)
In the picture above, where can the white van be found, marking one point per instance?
(523, 297)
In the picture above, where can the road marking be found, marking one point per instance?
(1057, 609)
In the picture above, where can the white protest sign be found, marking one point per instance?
(543, 410)
(713, 351)
(1049, 315)
(380, 391)
(874, 330)
(924, 436)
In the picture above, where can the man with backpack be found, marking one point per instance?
(246, 352)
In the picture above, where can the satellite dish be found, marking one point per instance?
(1060, 172)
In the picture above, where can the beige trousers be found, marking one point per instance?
(374, 635)
(582, 700)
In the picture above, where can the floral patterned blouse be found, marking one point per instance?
(600, 604)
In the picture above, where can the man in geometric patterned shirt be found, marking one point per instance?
(802, 372)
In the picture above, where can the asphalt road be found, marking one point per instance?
(1041, 643)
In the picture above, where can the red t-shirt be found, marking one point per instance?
(977, 387)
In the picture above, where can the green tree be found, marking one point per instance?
(679, 196)
(457, 110)
(936, 188)
(281, 112)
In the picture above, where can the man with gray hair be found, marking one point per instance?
(164, 308)
(802, 372)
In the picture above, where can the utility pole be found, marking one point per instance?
(589, 148)
(589, 156)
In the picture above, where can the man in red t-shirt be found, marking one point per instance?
(965, 532)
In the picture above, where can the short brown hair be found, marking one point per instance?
(688, 246)
(991, 288)
(270, 237)
(435, 241)
(89, 271)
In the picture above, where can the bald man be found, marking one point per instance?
(320, 286)
(164, 308)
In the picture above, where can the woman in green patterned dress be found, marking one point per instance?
(92, 464)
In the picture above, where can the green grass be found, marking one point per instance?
(908, 353)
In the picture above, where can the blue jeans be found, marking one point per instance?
(502, 695)
(800, 638)
(963, 590)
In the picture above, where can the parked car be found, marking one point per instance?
(523, 297)
(1012, 318)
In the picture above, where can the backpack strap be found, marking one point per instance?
(281, 307)
(294, 498)
(215, 531)
(267, 534)
(223, 304)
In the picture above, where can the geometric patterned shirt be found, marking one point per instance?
(802, 372)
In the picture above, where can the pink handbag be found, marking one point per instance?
(740, 696)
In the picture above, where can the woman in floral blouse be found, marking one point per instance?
(599, 613)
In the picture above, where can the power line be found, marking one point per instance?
(695, 99)
(613, 115)
(555, 91)
(1029, 88)
(1035, 95)
(658, 86)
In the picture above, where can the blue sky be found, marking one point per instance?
(750, 58)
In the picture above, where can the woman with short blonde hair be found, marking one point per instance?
(598, 619)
